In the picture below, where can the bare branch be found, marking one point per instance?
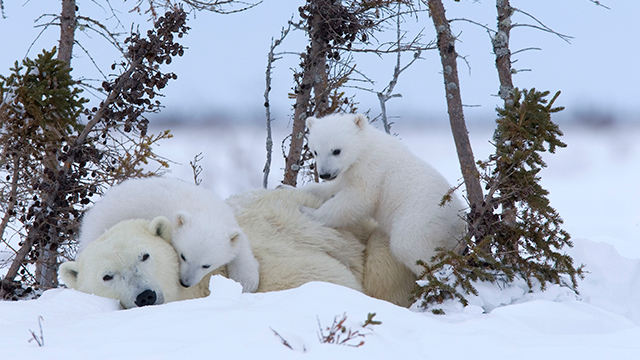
(197, 169)
(540, 26)
(271, 58)
(486, 27)
(91, 58)
(598, 3)
(525, 49)
(387, 92)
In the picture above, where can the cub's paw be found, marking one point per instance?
(308, 211)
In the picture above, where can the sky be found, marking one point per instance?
(223, 71)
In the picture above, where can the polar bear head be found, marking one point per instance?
(336, 142)
(205, 241)
(132, 262)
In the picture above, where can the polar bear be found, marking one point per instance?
(133, 262)
(369, 173)
(205, 233)
(293, 249)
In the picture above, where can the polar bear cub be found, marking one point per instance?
(368, 174)
(205, 233)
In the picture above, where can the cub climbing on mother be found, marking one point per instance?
(370, 174)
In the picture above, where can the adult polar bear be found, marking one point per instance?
(205, 232)
(134, 263)
(369, 173)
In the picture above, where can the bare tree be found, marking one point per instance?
(449, 58)
(334, 29)
(514, 232)
(272, 56)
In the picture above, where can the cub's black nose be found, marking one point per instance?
(183, 284)
(325, 176)
(147, 297)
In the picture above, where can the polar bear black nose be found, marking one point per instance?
(147, 297)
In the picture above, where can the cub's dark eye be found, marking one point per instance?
(336, 152)
(145, 257)
(315, 153)
(206, 266)
(182, 257)
(107, 278)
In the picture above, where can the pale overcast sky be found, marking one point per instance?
(223, 71)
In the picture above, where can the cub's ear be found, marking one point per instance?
(361, 121)
(161, 226)
(69, 274)
(235, 235)
(182, 217)
(310, 120)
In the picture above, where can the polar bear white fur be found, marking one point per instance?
(133, 262)
(205, 233)
(293, 249)
(369, 173)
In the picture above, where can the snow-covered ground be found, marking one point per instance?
(593, 184)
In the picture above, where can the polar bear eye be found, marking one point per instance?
(182, 257)
(145, 257)
(315, 153)
(107, 278)
(206, 266)
(336, 152)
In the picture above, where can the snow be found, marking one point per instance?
(592, 183)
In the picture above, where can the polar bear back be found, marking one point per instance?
(293, 249)
(145, 199)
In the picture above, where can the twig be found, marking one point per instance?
(197, 169)
(284, 342)
(387, 92)
(541, 26)
(598, 3)
(38, 339)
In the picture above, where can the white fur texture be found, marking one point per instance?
(293, 249)
(205, 233)
(371, 174)
(134, 258)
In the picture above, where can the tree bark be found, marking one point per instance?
(448, 57)
(47, 263)
(500, 44)
(314, 77)
(67, 30)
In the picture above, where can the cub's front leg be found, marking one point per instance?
(343, 209)
(324, 191)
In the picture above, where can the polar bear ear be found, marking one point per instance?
(361, 121)
(182, 218)
(310, 121)
(69, 274)
(235, 235)
(161, 226)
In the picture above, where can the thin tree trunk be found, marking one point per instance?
(448, 56)
(500, 44)
(47, 263)
(314, 77)
(67, 30)
(292, 165)
(501, 49)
